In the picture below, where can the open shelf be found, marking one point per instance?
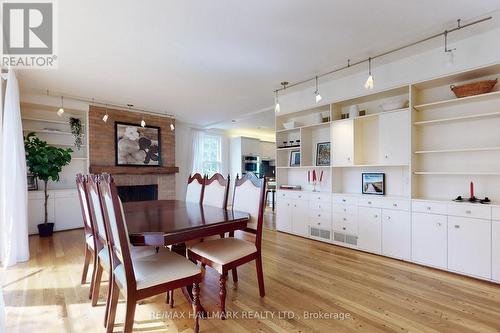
(47, 131)
(325, 124)
(474, 98)
(459, 150)
(372, 115)
(458, 173)
(288, 148)
(48, 121)
(372, 165)
(460, 118)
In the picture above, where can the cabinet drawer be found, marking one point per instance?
(294, 195)
(396, 204)
(345, 200)
(315, 196)
(474, 211)
(429, 207)
(495, 213)
(345, 209)
(370, 202)
(320, 214)
(321, 223)
(345, 219)
(321, 205)
(347, 228)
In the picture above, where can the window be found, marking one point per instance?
(212, 160)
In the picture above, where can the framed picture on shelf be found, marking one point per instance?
(136, 145)
(323, 154)
(32, 182)
(373, 183)
(295, 158)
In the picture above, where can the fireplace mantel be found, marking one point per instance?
(131, 170)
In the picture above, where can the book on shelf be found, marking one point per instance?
(290, 187)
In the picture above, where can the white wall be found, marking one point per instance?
(474, 51)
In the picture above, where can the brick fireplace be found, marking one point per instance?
(102, 151)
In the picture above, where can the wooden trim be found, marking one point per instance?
(133, 170)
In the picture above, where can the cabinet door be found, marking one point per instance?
(267, 149)
(343, 143)
(250, 146)
(429, 239)
(396, 234)
(67, 213)
(394, 133)
(300, 217)
(469, 246)
(370, 229)
(284, 215)
(495, 250)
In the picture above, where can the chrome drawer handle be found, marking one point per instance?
(468, 212)
(319, 223)
(395, 204)
(388, 217)
(343, 200)
(344, 219)
(457, 226)
(343, 228)
(345, 209)
(319, 215)
(438, 224)
(369, 202)
(375, 216)
(429, 208)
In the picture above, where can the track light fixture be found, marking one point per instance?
(60, 112)
(106, 116)
(172, 127)
(449, 59)
(276, 102)
(369, 80)
(318, 96)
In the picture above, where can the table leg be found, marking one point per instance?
(187, 291)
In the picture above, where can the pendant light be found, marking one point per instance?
(449, 56)
(106, 116)
(369, 80)
(60, 112)
(276, 102)
(318, 96)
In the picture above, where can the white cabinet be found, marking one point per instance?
(250, 146)
(343, 143)
(370, 229)
(300, 214)
(267, 150)
(396, 234)
(495, 250)
(429, 239)
(394, 138)
(284, 215)
(469, 246)
(68, 211)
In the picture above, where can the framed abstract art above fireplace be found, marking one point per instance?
(136, 145)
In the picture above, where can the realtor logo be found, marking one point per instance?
(28, 34)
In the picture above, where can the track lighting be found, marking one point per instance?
(172, 127)
(60, 112)
(318, 96)
(276, 102)
(106, 116)
(143, 123)
(369, 80)
(449, 56)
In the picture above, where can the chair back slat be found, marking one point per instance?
(84, 204)
(216, 191)
(96, 211)
(248, 197)
(118, 239)
(195, 188)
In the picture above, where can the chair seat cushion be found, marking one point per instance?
(225, 250)
(135, 252)
(157, 269)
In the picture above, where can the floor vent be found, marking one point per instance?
(320, 233)
(343, 238)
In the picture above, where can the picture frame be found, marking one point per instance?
(323, 154)
(373, 183)
(295, 158)
(137, 146)
(32, 181)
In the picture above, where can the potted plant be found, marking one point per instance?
(45, 162)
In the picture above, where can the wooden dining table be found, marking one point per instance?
(173, 222)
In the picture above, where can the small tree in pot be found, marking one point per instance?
(45, 162)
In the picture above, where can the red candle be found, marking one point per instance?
(308, 176)
(314, 175)
(471, 190)
(321, 176)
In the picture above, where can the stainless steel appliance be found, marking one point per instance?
(251, 163)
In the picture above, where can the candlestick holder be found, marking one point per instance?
(314, 184)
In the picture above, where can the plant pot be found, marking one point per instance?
(45, 230)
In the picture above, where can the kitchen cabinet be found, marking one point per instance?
(429, 239)
(299, 217)
(469, 246)
(267, 150)
(394, 141)
(250, 146)
(396, 234)
(284, 215)
(370, 229)
(495, 250)
(343, 143)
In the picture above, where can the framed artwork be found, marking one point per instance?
(373, 183)
(323, 154)
(295, 158)
(32, 182)
(136, 145)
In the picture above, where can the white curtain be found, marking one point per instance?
(14, 246)
(197, 151)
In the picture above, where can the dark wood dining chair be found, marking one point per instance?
(226, 254)
(141, 277)
(195, 188)
(216, 191)
(88, 227)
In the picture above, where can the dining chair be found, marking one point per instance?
(216, 191)
(226, 254)
(88, 227)
(195, 188)
(103, 263)
(139, 278)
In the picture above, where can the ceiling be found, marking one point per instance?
(214, 61)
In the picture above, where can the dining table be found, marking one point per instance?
(172, 223)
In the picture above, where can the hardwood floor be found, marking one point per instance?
(375, 294)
